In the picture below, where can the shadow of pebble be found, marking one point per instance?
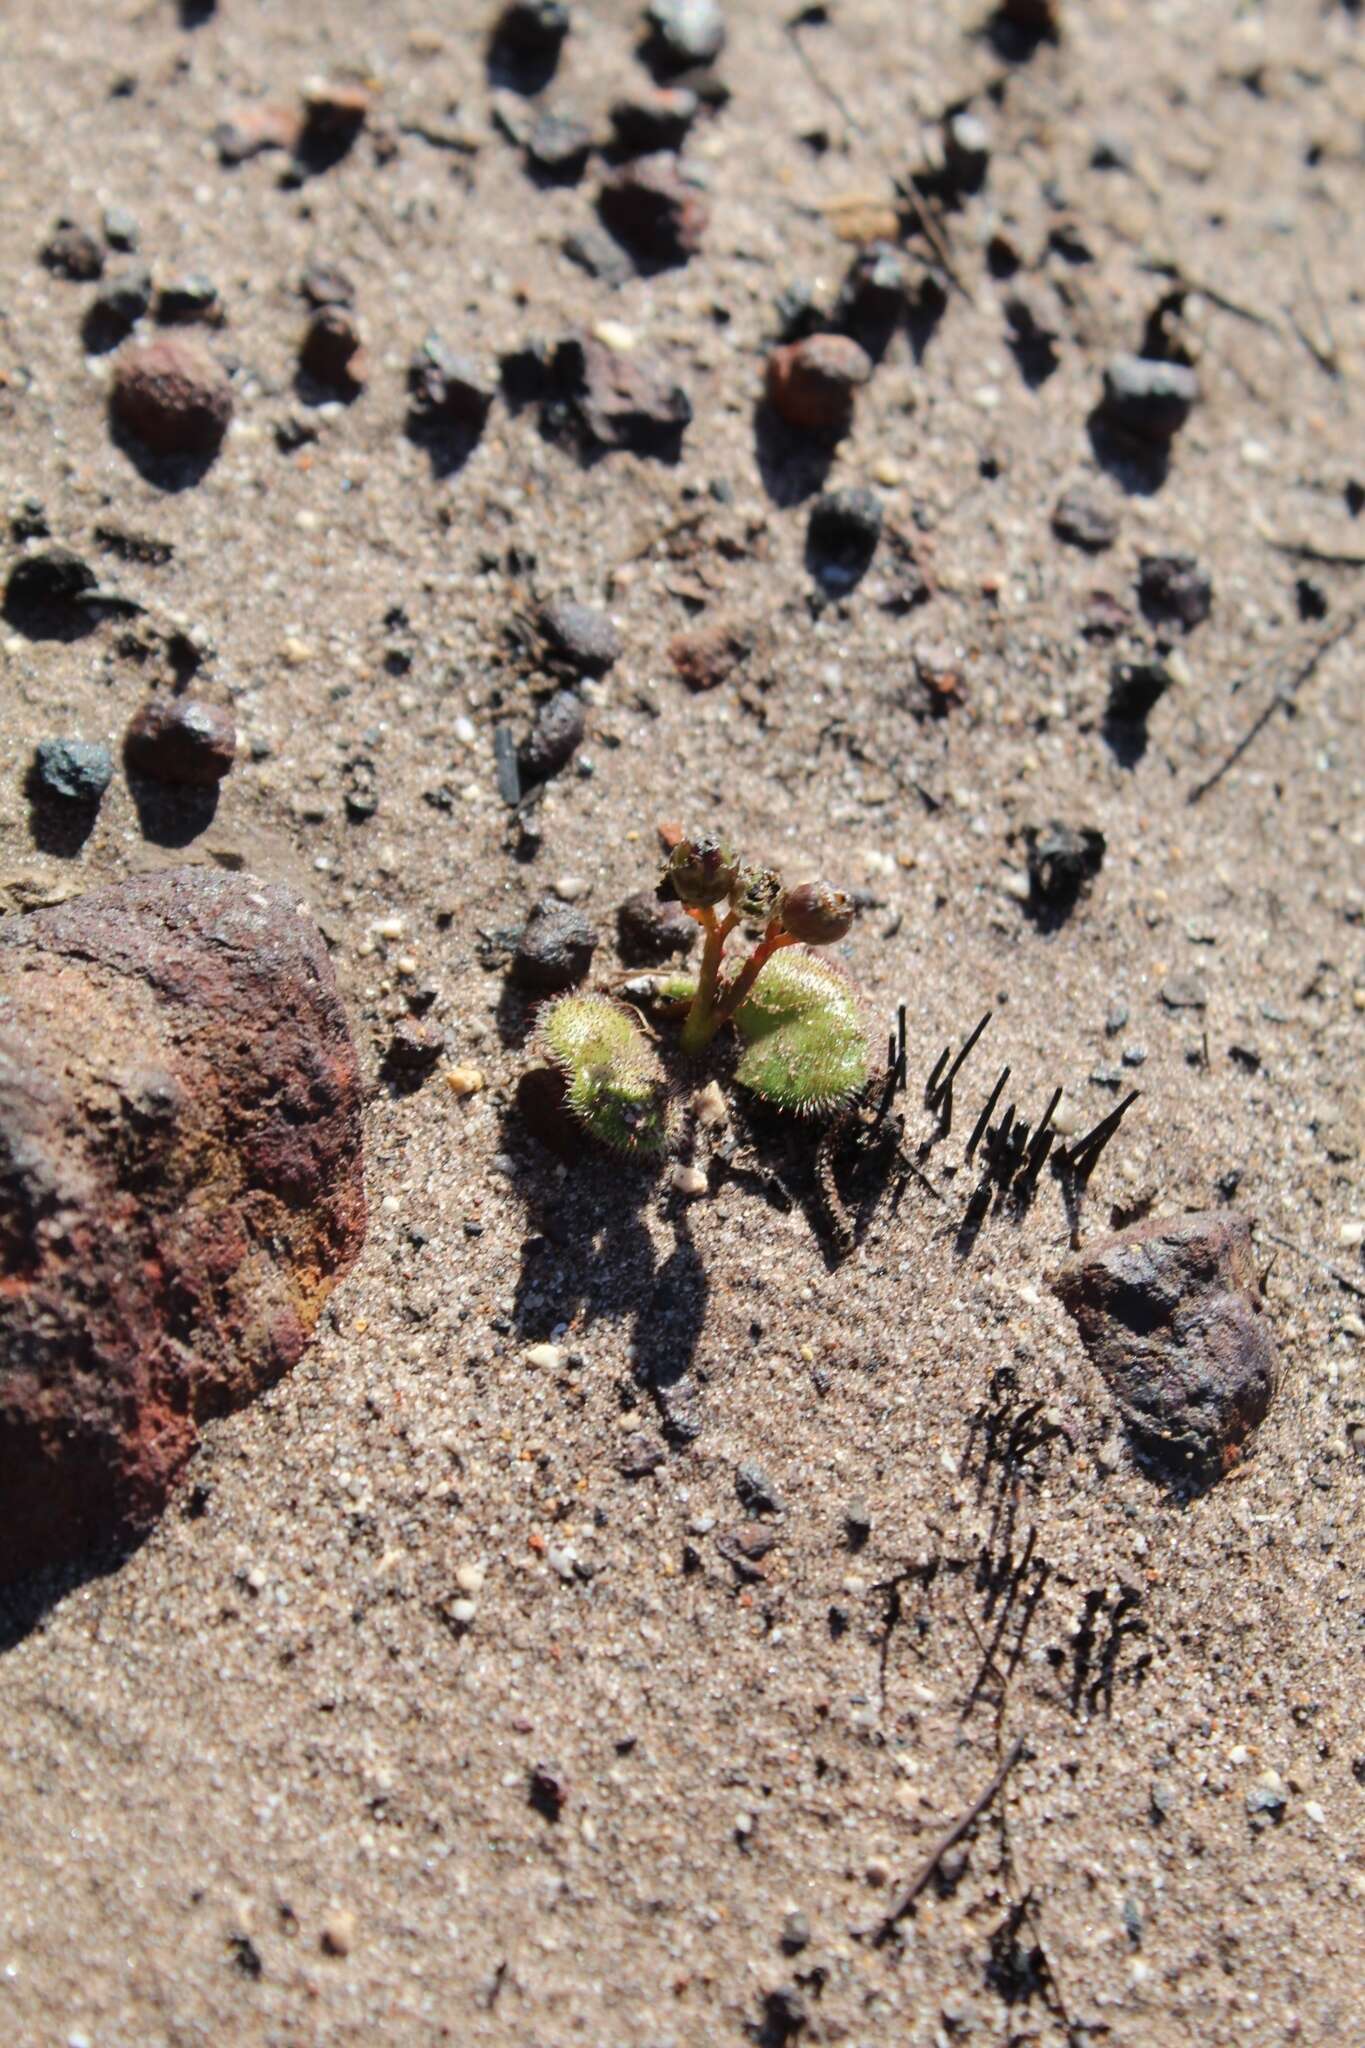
(168, 473)
(1138, 467)
(446, 445)
(793, 466)
(169, 815)
(57, 825)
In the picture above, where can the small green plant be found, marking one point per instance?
(802, 1047)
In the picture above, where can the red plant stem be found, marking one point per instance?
(702, 1021)
(773, 938)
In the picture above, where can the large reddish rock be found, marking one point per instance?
(1170, 1312)
(180, 1187)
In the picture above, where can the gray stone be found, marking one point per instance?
(75, 771)
(555, 948)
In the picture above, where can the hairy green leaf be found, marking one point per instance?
(807, 1050)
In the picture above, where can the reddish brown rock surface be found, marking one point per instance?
(1170, 1313)
(172, 395)
(180, 1187)
(813, 383)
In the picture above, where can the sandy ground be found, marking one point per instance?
(261, 1782)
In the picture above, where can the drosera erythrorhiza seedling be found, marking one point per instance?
(803, 1049)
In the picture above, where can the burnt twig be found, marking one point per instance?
(1283, 699)
(924, 1877)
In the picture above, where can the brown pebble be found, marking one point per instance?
(811, 383)
(416, 1043)
(181, 741)
(654, 212)
(332, 352)
(338, 1932)
(172, 395)
(705, 658)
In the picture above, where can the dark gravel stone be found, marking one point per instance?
(505, 764)
(43, 591)
(1084, 520)
(755, 1491)
(416, 1043)
(1061, 862)
(121, 300)
(120, 228)
(649, 932)
(178, 740)
(332, 352)
(654, 118)
(444, 384)
(189, 299)
(684, 33)
(171, 395)
(966, 151)
(842, 536)
(73, 252)
(1148, 398)
(654, 212)
(555, 948)
(167, 1258)
(553, 740)
(1033, 336)
(873, 298)
(326, 284)
(639, 1455)
(74, 771)
(1173, 589)
(1135, 688)
(580, 636)
(558, 146)
(548, 1790)
(333, 116)
(1170, 1312)
(811, 384)
(533, 28)
(622, 401)
(1184, 992)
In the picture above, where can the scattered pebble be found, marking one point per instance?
(756, 1492)
(1062, 861)
(690, 1182)
(1174, 589)
(709, 1103)
(1148, 398)
(555, 948)
(704, 657)
(73, 771)
(415, 1044)
(649, 932)
(545, 1357)
(465, 1080)
(1084, 520)
(558, 146)
(580, 636)
(43, 592)
(812, 384)
(1184, 992)
(337, 1937)
(119, 304)
(654, 118)
(188, 299)
(842, 536)
(654, 211)
(553, 740)
(171, 395)
(181, 741)
(74, 253)
(332, 352)
(684, 33)
(639, 1455)
(1135, 689)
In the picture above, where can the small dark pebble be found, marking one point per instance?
(121, 300)
(555, 948)
(326, 284)
(179, 740)
(639, 1455)
(857, 1524)
(559, 146)
(171, 395)
(1116, 1019)
(785, 2015)
(684, 33)
(505, 764)
(1173, 588)
(189, 299)
(756, 1493)
(580, 636)
(73, 252)
(362, 790)
(654, 118)
(533, 28)
(1184, 992)
(1311, 598)
(795, 1932)
(620, 401)
(548, 1790)
(120, 228)
(745, 1550)
(811, 384)
(1135, 688)
(649, 932)
(1148, 398)
(1062, 861)
(1246, 1057)
(445, 383)
(554, 738)
(1081, 519)
(74, 771)
(842, 535)
(44, 589)
(29, 521)
(333, 116)
(873, 296)
(415, 1044)
(1104, 617)
(1134, 1055)
(655, 212)
(331, 352)
(966, 150)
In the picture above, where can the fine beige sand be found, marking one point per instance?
(268, 1779)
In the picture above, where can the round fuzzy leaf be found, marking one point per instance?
(616, 1087)
(807, 1051)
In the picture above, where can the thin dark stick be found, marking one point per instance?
(924, 1877)
(931, 1085)
(902, 1051)
(986, 1114)
(1282, 698)
(1084, 1155)
(968, 1047)
(1316, 1259)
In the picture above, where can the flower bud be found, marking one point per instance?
(816, 913)
(755, 894)
(701, 871)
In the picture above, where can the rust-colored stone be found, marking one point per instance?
(1170, 1312)
(812, 383)
(180, 1187)
(172, 395)
(704, 658)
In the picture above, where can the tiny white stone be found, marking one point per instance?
(546, 1357)
(1351, 1233)
(569, 888)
